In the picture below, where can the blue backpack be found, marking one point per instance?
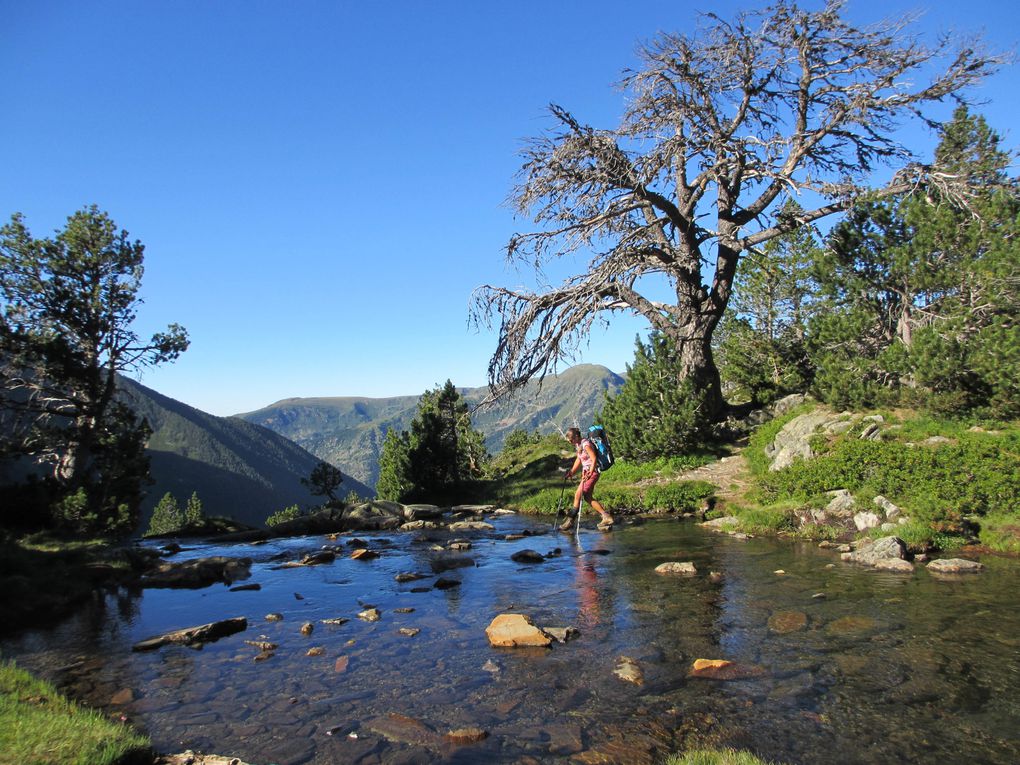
(603, 450)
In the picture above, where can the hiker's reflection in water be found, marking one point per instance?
(590, 613)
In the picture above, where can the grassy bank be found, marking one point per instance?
(715, 757)
(40, 726)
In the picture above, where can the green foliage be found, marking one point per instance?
(193, 513)
(519, 439)
(440, 456)
(767, 520)
(658, 412)
(287, 514)
(395, 480)
(943, 487)
(166, 517)
(324, 481)
(67, 306)
(760, 344)
(923, 292)
(1001, 532)
(40, 726)
(680, 497)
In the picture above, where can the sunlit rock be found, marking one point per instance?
(515, 630)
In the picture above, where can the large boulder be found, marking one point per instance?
(377, 515)
(200, 572)
(870, 553)
(422, 512)
(793, 441)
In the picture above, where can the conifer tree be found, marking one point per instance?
(194, 515)
(658, 412)
(166, 517)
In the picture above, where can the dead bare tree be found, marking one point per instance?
(722, 127)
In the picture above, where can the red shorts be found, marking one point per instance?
(588, 483)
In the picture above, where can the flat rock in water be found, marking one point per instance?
(364, 554)
(404, 730)
(514, 631)
(895, 564)
(203, 633)
(685, 568)
(955, 566)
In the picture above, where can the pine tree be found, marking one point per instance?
(395, 481)
(657, 412)
(193, 513)
(166, 517)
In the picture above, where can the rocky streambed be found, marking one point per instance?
(378, 646)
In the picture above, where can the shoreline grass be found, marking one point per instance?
(39, 725)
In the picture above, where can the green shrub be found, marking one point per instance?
(681, 497)
(766, 520)
(1001, 532)
(287, 514)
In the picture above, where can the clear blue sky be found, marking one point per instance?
(319, 185)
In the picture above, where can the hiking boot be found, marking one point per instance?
(606, 523)
(568, 524)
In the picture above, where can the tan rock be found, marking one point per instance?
(515, 630)
(369, 615)
(315, 651)
(364, 554)
(341, 664)
(721, 669)
(467, 735)
(306, 628)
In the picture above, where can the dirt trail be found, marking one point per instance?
(730, 473)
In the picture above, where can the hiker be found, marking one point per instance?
(585, 461)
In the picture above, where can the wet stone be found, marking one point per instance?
(784, 622)
(852, 626)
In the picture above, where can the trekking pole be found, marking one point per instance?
(559, 504)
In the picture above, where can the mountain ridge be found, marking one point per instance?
(348, 431)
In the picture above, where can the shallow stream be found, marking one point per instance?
(857, 666)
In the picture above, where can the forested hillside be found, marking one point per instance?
(349, 431)
(238, 469)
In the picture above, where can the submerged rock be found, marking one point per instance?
(629, 671)
(785, 622)
(954, 566)
(721, 669)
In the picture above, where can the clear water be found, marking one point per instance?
(887, 668)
